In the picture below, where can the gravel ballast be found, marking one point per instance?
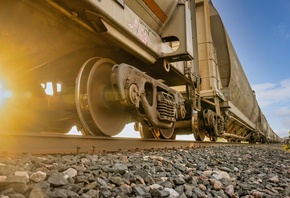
(249, 172)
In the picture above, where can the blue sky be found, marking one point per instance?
(260, 33)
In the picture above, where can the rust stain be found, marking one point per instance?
(156, 10)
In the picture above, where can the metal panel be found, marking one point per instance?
(155, 13)
(233, 78)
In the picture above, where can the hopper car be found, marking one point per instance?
(167, 66)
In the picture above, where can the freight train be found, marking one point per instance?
(167, 66)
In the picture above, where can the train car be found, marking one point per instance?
(225, 89)
(167, 66)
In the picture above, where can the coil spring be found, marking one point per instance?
(166, 106)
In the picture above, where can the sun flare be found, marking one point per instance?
(4, 93)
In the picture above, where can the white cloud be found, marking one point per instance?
(283, 114)
(284, 111)
(269, 93)
(286, 122)
(282, 132)
(274, 99)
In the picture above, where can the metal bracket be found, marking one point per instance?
(121, 3)
(180, 30)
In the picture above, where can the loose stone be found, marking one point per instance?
(248, 172)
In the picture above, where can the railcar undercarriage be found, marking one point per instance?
(100, 65)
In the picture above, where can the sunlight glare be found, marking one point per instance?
(74, 131)
(4, 94)
(1, 94)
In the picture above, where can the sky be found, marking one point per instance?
(260, 33)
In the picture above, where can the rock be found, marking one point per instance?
(116, 180)
(90, 186)
(230, 191)
(167, 184)
(179, 189)
(126, 189)
(38, 176)
(36, 193)
(139, 179)
(93, 193)
(3, 178)
(142, 173)
(59, 192)
(198, 192)
(18, 187)
(202, 187)
(225, 169)
(178, 181)
(172, 192)
(156, 186)
(249, 172)
(257, 194)
(101, 181)
(120, 168)
(22, 174)
(149, 179)
(57, 179)
(159, 193)
(70, 172)
(85, 160)
(274, 179)
(216, 185)
(139, 191)
(219, 193)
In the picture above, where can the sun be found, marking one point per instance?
(4, 93)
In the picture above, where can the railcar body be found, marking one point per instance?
(169, 66)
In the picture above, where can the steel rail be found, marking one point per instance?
(15, 143)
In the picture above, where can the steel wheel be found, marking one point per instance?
(213, 138)
(197, 130)
(98, 115)
(164, 133)
(146, 132)
(149, 133)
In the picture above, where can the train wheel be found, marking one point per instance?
(199, 135)
(164, 133)
(149, 133)
(197, 130)
(146, 133)
(213, 138)
(98, 115)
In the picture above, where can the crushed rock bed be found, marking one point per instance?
(260, 171)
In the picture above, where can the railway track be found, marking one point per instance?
(85, 167)
(47, 144)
